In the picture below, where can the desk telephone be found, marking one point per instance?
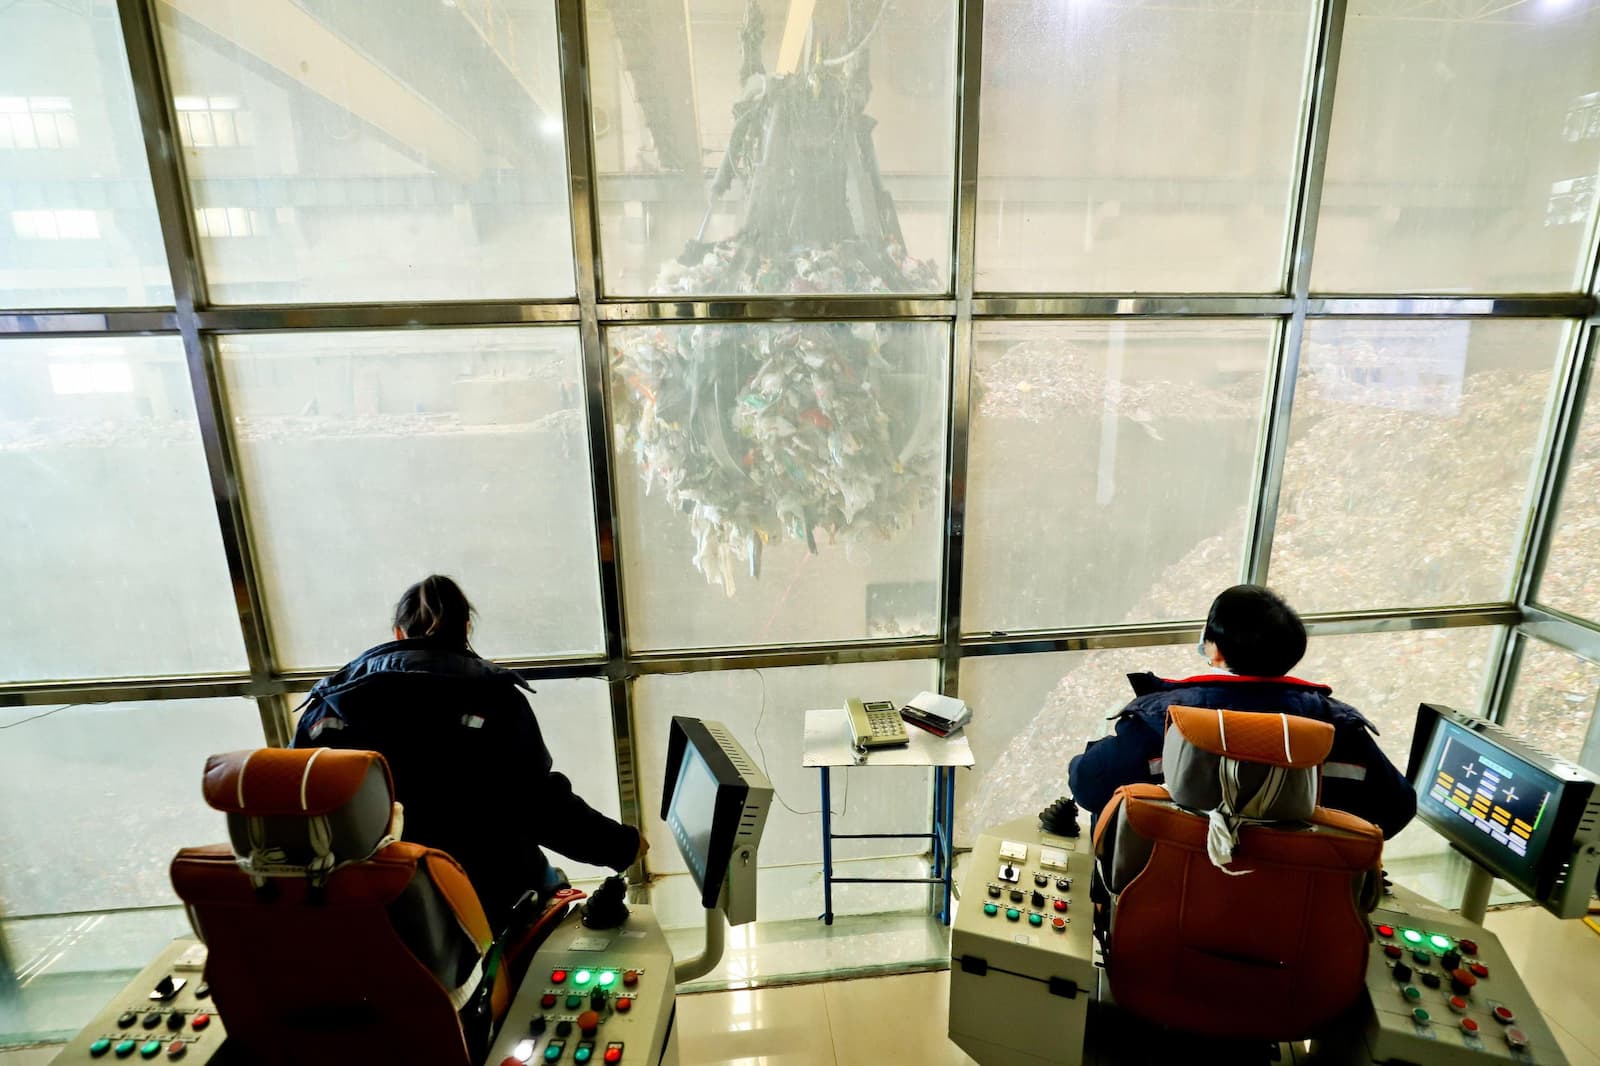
(875, 724)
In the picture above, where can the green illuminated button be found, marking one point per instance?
(574, 1002)
(990, 909)
(553, 1052)
(151, 1049)
(1412, 935)
(1419, 1016)
(581, 977)
(607, 978)
(1440, 942)
(1013, 914)
(100, 1047)
(584, 1053)
(1412, 993)
(125, 1048)
(1035, 919)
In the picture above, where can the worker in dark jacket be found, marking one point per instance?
(1252, 640)
(470, 766)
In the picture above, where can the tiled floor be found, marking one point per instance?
(902, 1019)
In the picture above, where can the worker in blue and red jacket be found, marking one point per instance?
(1252, 640)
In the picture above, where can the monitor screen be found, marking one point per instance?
(1498, 807)
(693, 811)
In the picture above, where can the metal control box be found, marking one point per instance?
(600, 996)
(1022, 969)
(164, 1013)
(1455, 997)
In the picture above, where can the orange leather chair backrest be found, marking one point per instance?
(1238, 906)
(330, 941)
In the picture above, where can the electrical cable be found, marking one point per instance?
(46, 714)
(763, 751)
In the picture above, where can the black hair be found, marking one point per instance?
(435, 608)
(1257, 633)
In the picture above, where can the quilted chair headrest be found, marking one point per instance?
(1241, 766)
(304, 811)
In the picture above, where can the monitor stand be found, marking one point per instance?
(706, 961)
(1475, 896)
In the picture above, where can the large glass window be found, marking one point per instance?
(1553, 702)
(1083, 432)
(91, 776)
(1409, 458)
(1463, 154)
(357, 151)
(109, 543)
(782, 483)
(748, 147)
(1130, 148)
(370, 460)
(78, 221)
(765, 711)
(1571, 580)
(574, 716)
(1033, 713)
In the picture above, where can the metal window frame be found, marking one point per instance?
(196, 323)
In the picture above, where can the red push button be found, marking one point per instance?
(557, 976)
(547, 1000)
(1516, 1038)
(200, 1021)
(176, 1049)
(613, 1052)
(1469, 947)
(1479, 970)
(1386, 930)
(1061, 905)
(1469, 1026)
(624, 1004)
(589, 1021)
(1392, 950)
(1059, 924)
(1458, 1004)
(511, 1060)
(630, 978)
(1504, 1015)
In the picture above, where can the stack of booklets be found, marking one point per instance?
(939, 715)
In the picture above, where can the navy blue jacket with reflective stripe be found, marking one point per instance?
(1359, 778)
(469, 762)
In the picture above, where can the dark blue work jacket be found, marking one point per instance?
(469, 765)
(1357, 777)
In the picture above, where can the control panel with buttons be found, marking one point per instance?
(163, 1015)
(1022, 948)
(594, 996)
(1444, 991)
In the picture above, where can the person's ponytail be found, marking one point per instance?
(435, 608)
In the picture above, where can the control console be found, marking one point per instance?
(165, 1014)
(595, 996)
(1444, 992)
(1022, 948)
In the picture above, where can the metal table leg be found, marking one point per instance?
(948, 839)
(827, 847)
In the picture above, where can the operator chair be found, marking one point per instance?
(330, 940)
(1235, 905)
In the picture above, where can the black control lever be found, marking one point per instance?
(608, 907)
(1060, 818)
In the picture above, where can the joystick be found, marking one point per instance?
(608, 907)
(1060, 818)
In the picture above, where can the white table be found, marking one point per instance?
(828, 743)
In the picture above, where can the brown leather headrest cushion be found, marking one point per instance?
(1275, 739)
(270, 782)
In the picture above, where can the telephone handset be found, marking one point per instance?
(875, 724)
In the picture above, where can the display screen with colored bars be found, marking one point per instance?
(1502, 806)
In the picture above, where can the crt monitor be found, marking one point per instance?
(1524, 815)
(715, 801)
